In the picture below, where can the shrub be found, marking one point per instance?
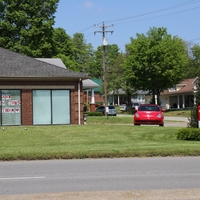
(189, 134)
(93, 113)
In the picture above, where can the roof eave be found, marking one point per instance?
(79, 78)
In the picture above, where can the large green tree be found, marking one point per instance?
(155, 61)
(83, 53)
(193, 68)
(111, 56)
(26, 26)
(63, 48)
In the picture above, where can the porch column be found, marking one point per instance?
(92, 104)
(183, 100)
(194, 97)
(178, 102)
(118, 100)
(92, 97)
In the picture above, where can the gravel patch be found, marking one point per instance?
(180, 194)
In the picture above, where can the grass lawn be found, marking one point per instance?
(178, 113)
(101, 137)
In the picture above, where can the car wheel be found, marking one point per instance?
(136, 124)
(161, 124)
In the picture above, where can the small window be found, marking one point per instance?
(173, 88)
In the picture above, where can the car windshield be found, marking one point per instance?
(149, 108)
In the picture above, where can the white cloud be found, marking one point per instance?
(89, 5)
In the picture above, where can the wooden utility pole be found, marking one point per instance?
(104, 44)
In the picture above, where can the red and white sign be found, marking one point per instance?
(3, 103)
(199, 116)
(14, 102)
(17, 110)
(8, 110)
(6, 96)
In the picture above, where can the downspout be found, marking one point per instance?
(79, 102)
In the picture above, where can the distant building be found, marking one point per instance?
(182, 95)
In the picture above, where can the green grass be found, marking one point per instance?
(178, 113)
(110, 120)
(100, 138)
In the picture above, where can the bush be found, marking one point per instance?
(189, 134)
(93, 113)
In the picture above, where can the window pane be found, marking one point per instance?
(60, 107)
(11, 107)
(41, 107)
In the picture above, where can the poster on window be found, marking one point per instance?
(6, 96)
(10, 110)
(11, 107)
(14, 102)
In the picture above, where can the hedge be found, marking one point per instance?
(189, 134)
(93, 113)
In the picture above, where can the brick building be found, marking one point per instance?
(34, 92)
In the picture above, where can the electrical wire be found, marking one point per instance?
(156, 11)
(158, 16)
(149, 13)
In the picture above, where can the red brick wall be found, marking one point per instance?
(74, 105)
(27, 106)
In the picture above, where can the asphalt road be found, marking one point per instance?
(123, 174)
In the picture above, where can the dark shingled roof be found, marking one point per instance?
(15, 65)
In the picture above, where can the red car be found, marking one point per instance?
(149, 114)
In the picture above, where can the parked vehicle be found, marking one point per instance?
(123, 107)
(149, 114)
(111, 110)
(135, 105)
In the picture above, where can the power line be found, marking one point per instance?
(161, 10)
(156, 11)
(158, 16)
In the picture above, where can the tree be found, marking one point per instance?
(155, 61)
(82, 52)
(63, 48)
(116, 79)
(26, 26)
(193, 68)
(193, 120)
(111, 56)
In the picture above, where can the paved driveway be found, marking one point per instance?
(176, 121)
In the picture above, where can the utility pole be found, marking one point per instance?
(104, 44)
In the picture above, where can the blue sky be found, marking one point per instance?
(129, 17)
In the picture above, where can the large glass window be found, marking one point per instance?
(11, 107)
(51, 107)
(60, 107)
(41, 107)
